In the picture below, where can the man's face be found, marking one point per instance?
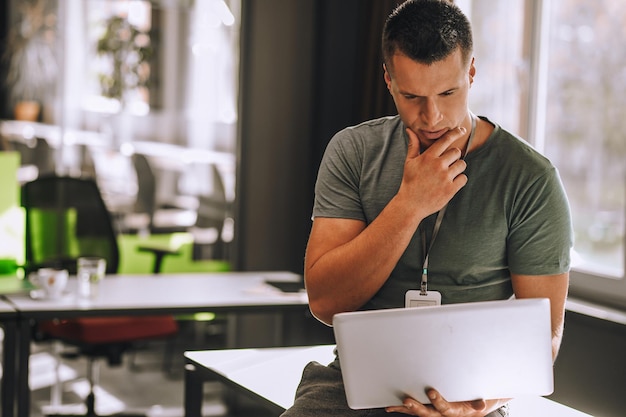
(431, 99)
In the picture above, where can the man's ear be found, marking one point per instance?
(472, 71)
(387, 77)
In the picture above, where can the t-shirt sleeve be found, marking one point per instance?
(540, 236)
(337, 185)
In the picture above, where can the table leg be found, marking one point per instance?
(9, 368)
(231, 330)
(193, 392)
(240, 331)
(278, 323)
(23, 354)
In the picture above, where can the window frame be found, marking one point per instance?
(588, 285)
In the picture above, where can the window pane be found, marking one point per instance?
(585, 125)
(499, 86)
(120, 54)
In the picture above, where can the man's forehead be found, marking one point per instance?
(429, 79)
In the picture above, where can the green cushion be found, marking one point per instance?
(53, 234)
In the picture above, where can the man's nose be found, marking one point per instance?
(430, 113)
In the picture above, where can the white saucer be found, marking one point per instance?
(40, 294)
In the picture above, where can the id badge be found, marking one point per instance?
(414, 298)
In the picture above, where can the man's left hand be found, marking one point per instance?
(439, 407)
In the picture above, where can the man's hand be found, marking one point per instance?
(434, 176)
(439, 407)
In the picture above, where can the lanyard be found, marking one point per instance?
(439, 219)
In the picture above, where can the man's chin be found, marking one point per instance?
(427, 143)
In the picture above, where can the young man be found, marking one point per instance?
(434, 183)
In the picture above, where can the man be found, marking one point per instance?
(383, 189)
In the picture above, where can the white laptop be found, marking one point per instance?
(488, 349)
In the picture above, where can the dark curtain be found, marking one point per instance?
(309, 69)
(4, 33)
(376, 100)
(348, 84)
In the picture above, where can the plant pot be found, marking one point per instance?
(27, 110)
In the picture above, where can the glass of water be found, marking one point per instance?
(90, 271)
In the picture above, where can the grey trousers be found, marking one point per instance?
(321, 393)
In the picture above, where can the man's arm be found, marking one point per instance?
(347, 263)
(553, 287)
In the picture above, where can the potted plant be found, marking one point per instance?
(30, 58)
(127, 49)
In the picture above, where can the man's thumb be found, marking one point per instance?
(414, 145)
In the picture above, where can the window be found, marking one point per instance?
(553, 72)
(119, 56)
(584, 134)
(155, 77)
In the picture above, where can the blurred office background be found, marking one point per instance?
(172, 103)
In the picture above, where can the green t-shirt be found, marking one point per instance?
(511, 217)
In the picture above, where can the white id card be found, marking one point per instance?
(414, 298)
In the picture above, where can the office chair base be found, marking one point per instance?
(88, 408)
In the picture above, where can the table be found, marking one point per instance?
(8, 319)
(146, 295)
(247, 371)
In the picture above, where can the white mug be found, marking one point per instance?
(51, 281)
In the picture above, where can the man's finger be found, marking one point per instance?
(438, 401)
(443, 144)
(414, 145)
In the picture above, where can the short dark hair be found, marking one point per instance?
(426, 31)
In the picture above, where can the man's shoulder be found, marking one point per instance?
(509, 146)
(376, 126)
(371, 133)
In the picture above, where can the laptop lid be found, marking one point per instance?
(487, 349)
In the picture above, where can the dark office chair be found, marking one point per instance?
(214, 212)
(66, 218)
(150, 215)
(209, 232)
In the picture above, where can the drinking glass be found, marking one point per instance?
(90, 271)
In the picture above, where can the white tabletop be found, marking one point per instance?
(169, 293)
(274, 374)
(6, 310)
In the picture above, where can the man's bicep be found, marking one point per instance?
(553, 287)
(329, 233)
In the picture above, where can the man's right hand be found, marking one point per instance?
(431, 178)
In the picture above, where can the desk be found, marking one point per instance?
(247, 370)
(8, 318)
(147, 295)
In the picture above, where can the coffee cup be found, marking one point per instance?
(51, 281)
